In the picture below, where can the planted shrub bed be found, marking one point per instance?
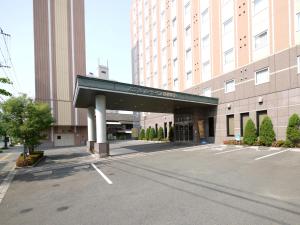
(30, 159)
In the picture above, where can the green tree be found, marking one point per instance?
(160, 134)
(142, 134)
(27, 120)
(147, 133)
(250, 134)
(152, 134)
(4, 80)
(171, 134)
(266, 132)
(4, 129)
(293, 130)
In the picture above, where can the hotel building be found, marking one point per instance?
(243, 52)
(59, 47)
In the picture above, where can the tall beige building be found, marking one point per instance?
(59, 41)
(243, 52)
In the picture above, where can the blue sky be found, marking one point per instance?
(107, 38)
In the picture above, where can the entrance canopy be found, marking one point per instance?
(122, 96)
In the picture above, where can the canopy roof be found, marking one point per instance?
(123, 96)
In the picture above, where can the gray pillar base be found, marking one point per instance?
(90, 146)
(102, 149)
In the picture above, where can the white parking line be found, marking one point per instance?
(276, 153)
(234, 150)
(5, 183)
(102, 174)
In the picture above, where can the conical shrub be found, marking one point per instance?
(250, 134)
(266, 132)
(293, 130)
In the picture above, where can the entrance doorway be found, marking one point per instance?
(184, 128)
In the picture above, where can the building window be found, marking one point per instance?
(261, 40)
(206, 71)
(229, 86)
(211, 126)
(298, 64)
(206, 92)
(187, 9)
(298, 22)
(260, 5)
(244, 118)
(175, 67)
(188, 60)
(189, 76)
(174, 27)
(230, 125)
(188, 32)
(260, 115)
(205, 42)
(228, 26)
(176, 83)
(205, 17)
(228, 56)
(262, 76)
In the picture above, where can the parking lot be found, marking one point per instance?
(151, 183)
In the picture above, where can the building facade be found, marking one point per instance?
(59, 42)
(246, 53)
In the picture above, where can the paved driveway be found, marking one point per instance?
(211, 184)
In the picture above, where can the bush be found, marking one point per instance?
(142, 134)
(266, 132)
(147, 133)
(171, 134)
(250, 136)
(160, 134)
(293, 130)
(152, 134)
(288, 144)
(278, 143)
(29, 160)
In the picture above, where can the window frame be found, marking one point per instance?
(263, 46)
(227, 125)
(226, 82)
(260, 70)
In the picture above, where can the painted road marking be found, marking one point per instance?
(102, 174)
(276, 153)
(234, 150)
(5, 157)
(6, 182)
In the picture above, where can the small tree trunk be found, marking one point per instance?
(5, 141)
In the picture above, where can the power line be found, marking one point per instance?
(9, 57)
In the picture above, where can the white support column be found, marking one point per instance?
(91, 122)
(101, 146)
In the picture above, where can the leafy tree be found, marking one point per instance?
(266, 132)
(27, 120)
(293, 130)
(147, 133)
(171, 134)
(4, 80)
(142, 134)
(4, 128)
(152, 134)
(250, 134)
(160, 134)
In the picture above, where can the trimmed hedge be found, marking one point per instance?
(171, 134)
(147, 133)
(293, 131)
(160, 134)
(250, 134)
(266, 132)
(152, 134)
(142, 134)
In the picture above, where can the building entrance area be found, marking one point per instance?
(99, 95)
(184, 128)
